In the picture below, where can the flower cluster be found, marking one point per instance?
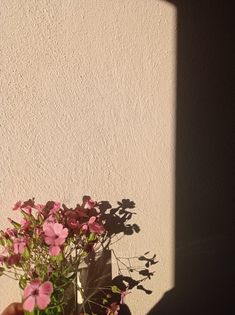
(44, 250)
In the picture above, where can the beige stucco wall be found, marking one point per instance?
(88, 107)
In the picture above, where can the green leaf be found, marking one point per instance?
(41, 270)
(9, 242)
(57, 258)
(26, 253)
(15, 224)
(40, 219)
(91, 237)
(22, 282)
(26, 215)
(115, 289)
(2, 241)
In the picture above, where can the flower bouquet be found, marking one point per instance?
(45, 250)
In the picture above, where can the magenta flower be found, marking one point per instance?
(13, 259)
(37, 294)
(10, 233)
(113, 309)
(25, 224)
(93, 226)
(72, 223)
(89, 204)
(55, 208)
(71, 214)
(17, 205)
(55, 236)
(19, 245)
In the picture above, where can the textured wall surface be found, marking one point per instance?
(87, 107)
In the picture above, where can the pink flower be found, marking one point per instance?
(93, 226)
(71, 214)
(17, 205)
(89, 204)
(72, 223)
(28, 210)
(55, 208)
(81, 213)
(123, 295)
(24, 224)
(55, 236)
(50, 219)
(37, 294)
(19, 245)
(3, 255)
(113, 309)
(10, 233)
(39, 207)
(13, 259)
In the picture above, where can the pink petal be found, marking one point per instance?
(81, 213)
(59, 241)
(89, 204)
(96, 228)
(57, 228)
(35, 284)
(10, 232)
(115, 307)
(13, 259)
(54, 250)
(91, 220)
(72, 223)
(28, 210)
(85, 227)
(27, 291)
(29, 304)
(17, 205)
(46, 288)
(16, 248)
(57, 205)
(24, 223)
(49, 240)
(50, 219)
(48, 229)
(4, 252)
(22, 247)
(42, 301)
(64, 233)
(39, 207)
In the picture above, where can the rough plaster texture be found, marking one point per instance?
(87, 107)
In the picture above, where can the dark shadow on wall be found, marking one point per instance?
(204, 194)
(95, 272)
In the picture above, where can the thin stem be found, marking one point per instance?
(9, 276)
(97, 304)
